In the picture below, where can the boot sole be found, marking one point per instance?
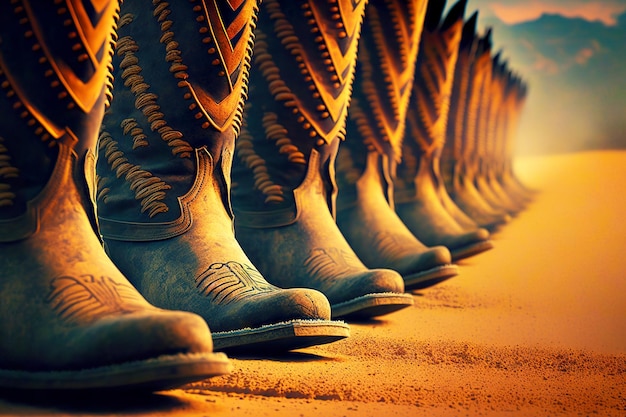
(471, 250)
(156, 374)
(372, 305)
(295, 334)
(430, 277)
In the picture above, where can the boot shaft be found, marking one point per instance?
(486, 104)
(508, 104)
(495, 146)
(475, 110)
(496, 93)
(304, 64)
(514, 101)
(388, 50)
(430, 99)
(181, 75)
(385, 74)
(54, 77)
(452, 153)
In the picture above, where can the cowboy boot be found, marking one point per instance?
(417, 198)
(70, 319)
(514, 101)
(488, 178)
(285, 190)
(462, 188)
(453, 145)
(164, 177)
(488, 106)
(518, 91)
(367, 159)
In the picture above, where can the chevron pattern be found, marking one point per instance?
(55, 65)
(430, 100)
(181, 76)
(70, 44)
(322, 45)
(387, 53)
(427, 118)
(300, 89)
(228, 37)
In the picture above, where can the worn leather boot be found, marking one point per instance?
(452, 151)
(488, 104)
(69, 318)
(487, 180)
(418, 190)
(284, 193)
(514, 101)
(381, 239)
(166, 151)
(515, 97)
(459, 170)
(367, 159)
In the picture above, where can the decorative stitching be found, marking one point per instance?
(325, 263)
(216, 51)
(7, 170)
(253, 161)
(329, 100)
(147, 187)
(386, 95)
(432, 93)
(232, 281)
(88, 297)
(146, 102)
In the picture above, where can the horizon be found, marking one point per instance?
(576, 101)
(520, 11)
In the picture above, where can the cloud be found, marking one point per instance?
(540, 63)
(586, 53)
(583, 56)
(516, 11)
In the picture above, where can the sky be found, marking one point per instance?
(516, 11)
(567, 108)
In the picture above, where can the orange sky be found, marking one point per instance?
(515, 11)
(563, 112)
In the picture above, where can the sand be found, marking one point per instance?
(534, 327)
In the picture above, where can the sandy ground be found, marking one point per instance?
(535, 327)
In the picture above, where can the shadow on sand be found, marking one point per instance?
(89, 402)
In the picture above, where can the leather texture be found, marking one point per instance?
(164, 171)
(458, 164)
(367, 162)
(419, 185)
(65, 306)
(514, 91)
(313, 254)
(494, 93)
(284, 189)
(382, 240)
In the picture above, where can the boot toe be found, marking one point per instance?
(481, 234)
(301, 304)
(466, 239)
(277, 306)
(140, 336)
(378, 281)
(495, 222)
(434, 257)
